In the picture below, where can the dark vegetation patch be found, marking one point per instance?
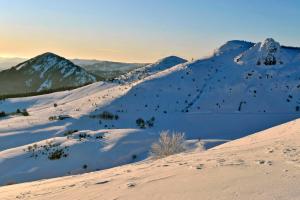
(105, 115)
(22, 112)
(52, 150)
(141, 123)
(48, 91)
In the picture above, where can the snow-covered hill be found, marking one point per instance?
(143, 72)
(44, 72)
(220, 85)
(212, 99)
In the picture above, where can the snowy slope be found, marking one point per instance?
(264, 166)
(44, 72)
(27, 142)
(142, 72)
(211, 99)
(238, 99)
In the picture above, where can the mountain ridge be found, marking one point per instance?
(143, 72)
(43, 72)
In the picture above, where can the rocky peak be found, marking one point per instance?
(265, 53)
(270, 50)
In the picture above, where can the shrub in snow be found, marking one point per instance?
(83, 136)
(105, 115)
(53, 118)
(140, 123)
(25, 113)
(134, 157)
(2, 114)
(150, 122)
(57, 154)
(99, 137)
(168, 144)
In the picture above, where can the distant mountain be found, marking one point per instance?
(44, 72)
(107, 70)
(143, 72)
(6, 63)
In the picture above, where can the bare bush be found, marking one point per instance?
(168, 144)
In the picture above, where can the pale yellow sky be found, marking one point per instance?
(119, 49)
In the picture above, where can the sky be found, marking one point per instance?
(141, 30)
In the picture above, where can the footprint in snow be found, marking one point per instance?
(200, 166)
(235, 162)
(261, 162)
(270, 150)
(264, 162)
(131, 185)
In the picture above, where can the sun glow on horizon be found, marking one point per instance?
(139, 30)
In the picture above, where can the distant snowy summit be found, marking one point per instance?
(232, 46)
(143, 72)
(44, 72)
(266, 53)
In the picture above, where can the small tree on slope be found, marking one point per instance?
(168, 144)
